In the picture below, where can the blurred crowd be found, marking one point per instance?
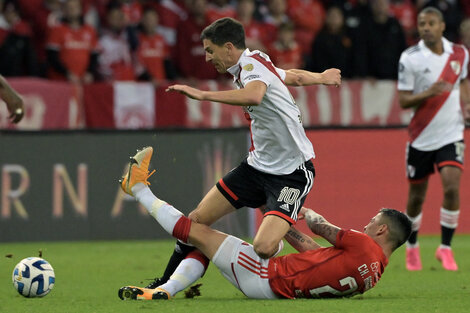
(83, 41)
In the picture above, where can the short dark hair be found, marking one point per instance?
(399, 226)
(225, 30)
(432, 10)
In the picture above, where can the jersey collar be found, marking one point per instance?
(446, 44)
(235, 69)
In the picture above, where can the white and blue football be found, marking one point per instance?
(33, 277)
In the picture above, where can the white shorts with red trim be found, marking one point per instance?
(239, 264)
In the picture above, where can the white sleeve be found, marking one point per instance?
(255, 71)
(260, 68)
(281, 73)
(406, 79)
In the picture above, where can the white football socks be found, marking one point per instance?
(449, 219)
(165, 214)
(187, 272)
(416, 221)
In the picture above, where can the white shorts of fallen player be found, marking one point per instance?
(238, 262)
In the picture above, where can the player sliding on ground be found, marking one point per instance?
(278, 172)
(354, 263)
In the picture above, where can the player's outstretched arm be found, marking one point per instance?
(296, 77)
(320, 226)
(12, 99)
(251, 95)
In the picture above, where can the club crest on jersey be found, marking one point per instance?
(455, 65)
(248, 67)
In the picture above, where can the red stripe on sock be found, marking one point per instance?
(181, 229)
(197, 255)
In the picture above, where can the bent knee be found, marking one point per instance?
(416, 201)
(451, 192)
(265, 250)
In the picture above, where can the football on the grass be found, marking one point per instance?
(33, 277)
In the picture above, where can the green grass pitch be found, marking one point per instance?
(88, 275)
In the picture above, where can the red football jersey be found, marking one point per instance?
(353, 266)
(152, 53)
(74, 46)
(308, 17)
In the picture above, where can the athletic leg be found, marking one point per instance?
(449, 215)
(419, 165)
(181, 227)
(450, 177)
(188, 271)
(241, 266)
(449, 160)
(173, 221)
(285, 197)
(212, 207)
(414, 206)
(271, 231)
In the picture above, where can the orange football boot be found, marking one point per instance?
(138, 171)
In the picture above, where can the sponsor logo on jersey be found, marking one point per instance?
(251, 77)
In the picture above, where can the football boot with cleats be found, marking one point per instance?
(138, 171)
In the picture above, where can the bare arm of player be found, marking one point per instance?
(300, 241)
(296, 77)
(409, 100)
(320, 226)
(251, 95)
(12, 99)
(297, 239)
(465, 98)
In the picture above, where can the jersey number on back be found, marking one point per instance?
(347, 281)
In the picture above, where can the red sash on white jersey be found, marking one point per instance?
(429, 108)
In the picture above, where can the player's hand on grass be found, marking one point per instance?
(332, 76)
(188, 91)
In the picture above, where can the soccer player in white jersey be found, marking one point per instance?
(432, 81)
(353, 265)
(278, 171)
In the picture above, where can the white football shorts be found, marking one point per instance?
(239, 264)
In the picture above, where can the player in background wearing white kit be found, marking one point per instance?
(432, 81)
(278, 172)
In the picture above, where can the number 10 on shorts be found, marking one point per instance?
(289, 195)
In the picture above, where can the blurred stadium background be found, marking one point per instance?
(61, 163)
